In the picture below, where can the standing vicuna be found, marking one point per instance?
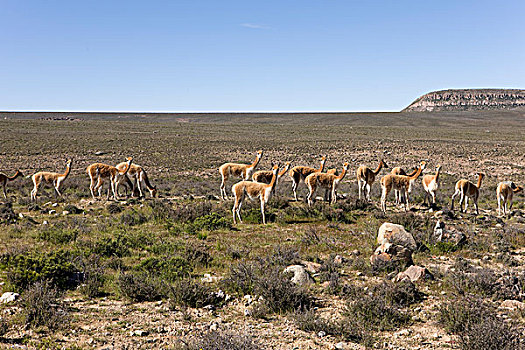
(265, 176)
(253, 190)
(327, 181)
(467, 190)
(244, 171)
(4, 178)
(402, 183)
(367, 176)
(430, 185)
(299, 173)
(505, 191)
(45, 176)
(139, 177)
(100, 171)
(400, 171)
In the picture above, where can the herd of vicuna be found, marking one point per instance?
(261, 184)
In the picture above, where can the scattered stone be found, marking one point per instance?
(52, 212)
(100, 153)
(45, 222)
(339, 260)
(65, 212)
(340, 345)
(301, 276)
(356, 252)
(442, 234)
(395, 234)
(414, 273)
(402, 333)
(214, 326)
(20, 215)
(310, 266)
(9, 297)
(389, 252)
(247, 312)
(139, 333)
(208, 278)
(321, 334)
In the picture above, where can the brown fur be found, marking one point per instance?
(327, 181)
(100, 171)
(299, 173)
(401, 183)
(253, 190)
(48, 177)
(265, 176)
(430, 185)
(4, 178)
(243, 171)
(400, 171)
(139, 176)
(466, 190)
(367, 176)
(505, 193)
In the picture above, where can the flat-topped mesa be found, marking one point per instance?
(469, 99)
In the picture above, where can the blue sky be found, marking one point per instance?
(286, 55)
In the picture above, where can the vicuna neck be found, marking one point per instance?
(480, 178)
(68, 169)
(416, 175)
(437, 173)
(343, 173)
(256, 161)
(322, 165)
(378, 169)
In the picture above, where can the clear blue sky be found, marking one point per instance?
(246, 55)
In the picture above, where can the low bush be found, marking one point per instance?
(57, 235)
(117, 245)
(141, 286)
(376, 313)
(132, 217)
(209, 222)
(41, 306)
(7, 215)
(188, 292)
(309, 321)
(222, 340)
(25, 269)
(169, 268)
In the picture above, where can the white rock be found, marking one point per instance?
(20, 215)
(52, 212)
(45, 222)
(301, 276)
(395, 234)
(8, 297)
(321, 334)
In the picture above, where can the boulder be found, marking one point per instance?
(414, 273)
(388, 252)
(397, 235)
(8, 297)
(449, 235)
(300, 275)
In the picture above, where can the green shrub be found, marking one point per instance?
(57, 235)
(376, 314)
(25, 269)
(169, 268)
(73, 209)
(7, 215)
(112, 246)
(132, 217)
(212, 222)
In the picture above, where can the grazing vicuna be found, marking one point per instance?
(99, 171)
(431, 185)
(504, 192)
(299, 173)
(366, 177)
(139, 177)
(253, 190)
(48, 177)
(243, 171)
(466, 190)
(402, 183)
(4, 178)
(327, 181)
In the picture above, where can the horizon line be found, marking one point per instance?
(195, 111)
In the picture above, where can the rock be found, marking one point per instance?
(301, 276)
(20, 215)
(214, 326)
(356, 252)
(52, 212)
(208, 278)
(247, 312)
(402, 333)
(414, 273)
(45, 222)
(65, 212)
(54, 205)
(100, 153)
(8, 297)
(390, 252)
(510, 304)
(439, 230)
(310, 266)
(139, 333)
(339, 260)
(321, 334)
(396, 234)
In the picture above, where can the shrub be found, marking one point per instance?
(211, 222)
(114, 208)
(197, 254)
(482, 282)
(376, 313)
(112, 246)
(25, 269)
(73, 209)
(7, 215)
(168, 267)
(399, 294)
(93, 276)
(140, 286)
(478, 326)
(41, 306)
(241, 278)
(220, 341)
(309, 321)
(280, 294)
(57, 235)
(132, 217)
(188, 292)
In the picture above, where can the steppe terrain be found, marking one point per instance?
(175, 273)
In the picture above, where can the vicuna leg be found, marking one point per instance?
(406, 199)
(453, 198)
(57, 186)
(262, 211)
(5, 193)
(359, 187)
(368, 192)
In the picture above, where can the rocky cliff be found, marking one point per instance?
(469, 99)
